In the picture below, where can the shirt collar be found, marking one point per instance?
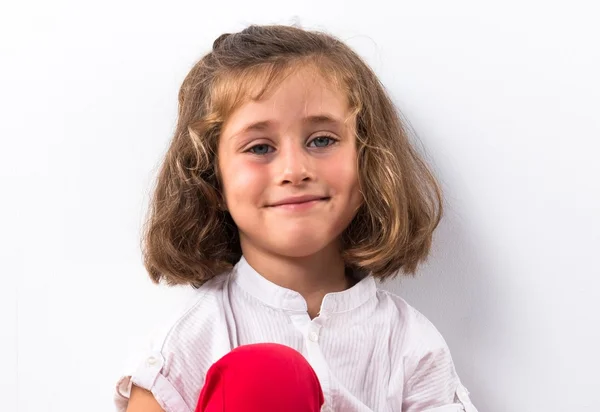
(277, 296)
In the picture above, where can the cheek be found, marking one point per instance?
(341, 172)
(242, 181)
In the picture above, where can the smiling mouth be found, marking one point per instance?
(299, 203)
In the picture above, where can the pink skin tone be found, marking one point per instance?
(290, 182)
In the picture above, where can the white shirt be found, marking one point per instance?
(370, 350)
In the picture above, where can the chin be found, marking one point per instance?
(299, 245)
(291, 240)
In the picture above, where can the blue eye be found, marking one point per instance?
(260, 149)
(322, 141)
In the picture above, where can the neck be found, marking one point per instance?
(312, 276)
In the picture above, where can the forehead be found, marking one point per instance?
(289, 95)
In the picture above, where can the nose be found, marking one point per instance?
(294, 165)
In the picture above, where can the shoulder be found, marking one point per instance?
(428, 375)
(193, 307)
(201, 310)
(420, 334)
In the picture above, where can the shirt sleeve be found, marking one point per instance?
(171, 359)
(148, 375)
(432, 384)
(150, 366)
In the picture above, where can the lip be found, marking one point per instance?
(298, 200)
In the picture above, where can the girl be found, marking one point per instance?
(289, 188)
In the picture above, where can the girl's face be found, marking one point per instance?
(288, 167)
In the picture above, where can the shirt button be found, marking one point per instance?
(151, 360)
(313, 337)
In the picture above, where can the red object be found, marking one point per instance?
(265, 377)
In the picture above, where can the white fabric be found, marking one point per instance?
(370, 350)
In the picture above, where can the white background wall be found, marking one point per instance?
(505, 97)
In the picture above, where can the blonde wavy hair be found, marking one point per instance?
(190, 238)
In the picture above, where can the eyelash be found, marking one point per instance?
(332, 141)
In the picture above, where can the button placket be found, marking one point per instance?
(310, 330)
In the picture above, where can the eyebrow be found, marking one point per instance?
(322, 119)
(316, 120)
